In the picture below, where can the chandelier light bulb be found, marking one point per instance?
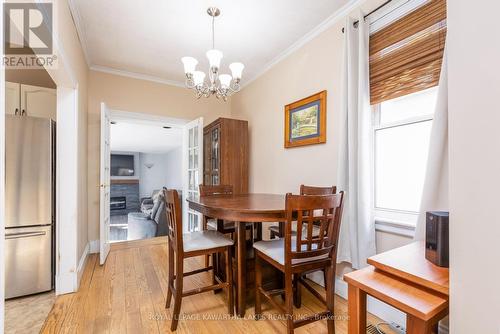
(189, 64)
(225, 80)
(214, 58)
(236, 70)
(198, 78)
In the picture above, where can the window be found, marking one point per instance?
(406, 53)
(401, 133)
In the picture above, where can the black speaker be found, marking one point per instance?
(437, 246)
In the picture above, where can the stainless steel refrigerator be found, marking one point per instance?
(29, 205)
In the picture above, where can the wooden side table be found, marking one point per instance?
(404, 279)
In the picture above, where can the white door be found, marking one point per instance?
(105, 183)
(12, 98)
(192, 171)
(38, 101)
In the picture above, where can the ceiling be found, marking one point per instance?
(148, 38)
(144, 138)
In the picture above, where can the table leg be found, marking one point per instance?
(357, 310)
(241, 265)
(417, 326)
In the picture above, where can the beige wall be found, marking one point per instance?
(138, 96)
(313, 68)
(73, 53)
(474, 137)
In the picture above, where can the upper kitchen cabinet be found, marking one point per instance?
(30, 100)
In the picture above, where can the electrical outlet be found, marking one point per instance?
(397, 328)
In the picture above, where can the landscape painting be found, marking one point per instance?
(305, 121)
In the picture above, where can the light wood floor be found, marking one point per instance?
(127, 295)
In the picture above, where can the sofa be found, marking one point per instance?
(151, 221)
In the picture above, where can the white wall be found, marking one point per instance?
(474, 137)
(165, 172)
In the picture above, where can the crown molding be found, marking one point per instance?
(134, 75)
(327, 23)
(80, 30)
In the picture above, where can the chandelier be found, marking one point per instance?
(220, 85)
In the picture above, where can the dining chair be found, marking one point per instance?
(302, 253)
(278, 231)
(222, 226)
(182, 246)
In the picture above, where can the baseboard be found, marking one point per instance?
(94, 246)
(81, 265)
(374, 306)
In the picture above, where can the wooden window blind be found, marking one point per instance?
(406, 56)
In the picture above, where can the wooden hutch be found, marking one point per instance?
(225, 152)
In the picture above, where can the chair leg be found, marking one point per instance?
(258, 284)
(330, 292)
(229, 279)
(289, 302)
(324, 277)
(297, 299)
(171, 261)
(207, 261)
(178, 294)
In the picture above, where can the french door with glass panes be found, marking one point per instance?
(193, 168)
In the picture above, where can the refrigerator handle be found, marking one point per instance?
(23, 235)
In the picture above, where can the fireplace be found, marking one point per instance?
(118, 203)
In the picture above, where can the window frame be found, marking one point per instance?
(394, 221)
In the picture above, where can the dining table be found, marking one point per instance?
(241, 209)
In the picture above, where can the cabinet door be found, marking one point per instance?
(39, 101)
(215, 155)
(12, 98)
(207, 158)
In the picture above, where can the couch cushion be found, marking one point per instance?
(156, 205)
(275, 249)
(204, 240)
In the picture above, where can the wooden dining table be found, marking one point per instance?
(241, 209)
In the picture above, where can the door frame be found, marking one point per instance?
(116, 115)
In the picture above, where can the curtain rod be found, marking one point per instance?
(355, 23)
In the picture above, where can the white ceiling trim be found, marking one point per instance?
(330, 21)
(77, 19)
(135, 75)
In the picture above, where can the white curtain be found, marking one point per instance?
(357, 233)
(435, 191)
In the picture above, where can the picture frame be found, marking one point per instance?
(305, 121)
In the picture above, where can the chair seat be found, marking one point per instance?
(275, 249)
(202, 240)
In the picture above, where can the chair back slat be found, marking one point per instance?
(174, 219)
(222, 189)
(310, 190)
(321, 210)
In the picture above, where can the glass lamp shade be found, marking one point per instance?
(214, 58)
(225, 80)
(236, 69)
(198, 77)
(189, 64)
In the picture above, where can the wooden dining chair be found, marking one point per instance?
(182, 246)
(302, 253)
(222, 226)
(278, 231)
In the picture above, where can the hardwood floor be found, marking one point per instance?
(127, 295)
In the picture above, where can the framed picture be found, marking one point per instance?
(305, 121)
